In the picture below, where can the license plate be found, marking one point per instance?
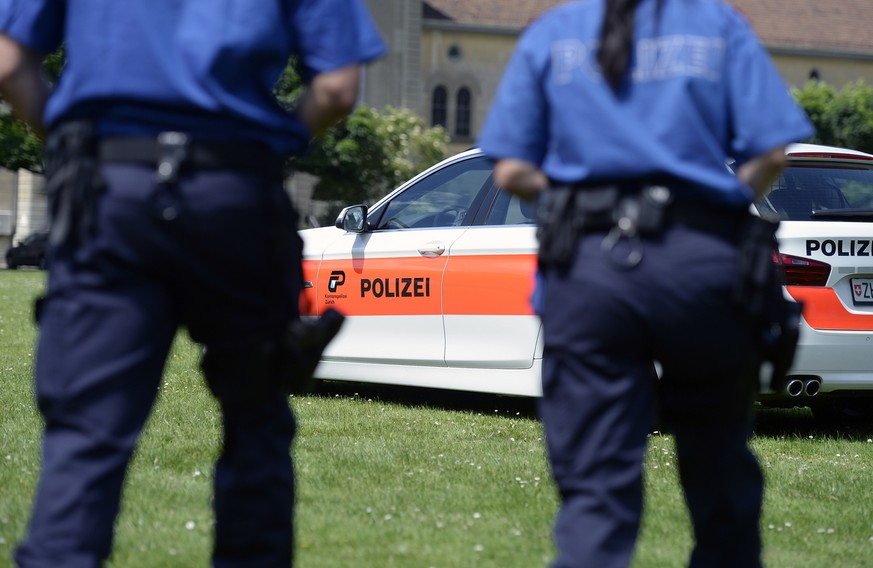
(862, 291)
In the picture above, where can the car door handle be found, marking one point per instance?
(432, 250)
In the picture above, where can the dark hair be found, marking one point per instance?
(616, 40)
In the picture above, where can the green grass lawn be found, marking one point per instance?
(413, 478)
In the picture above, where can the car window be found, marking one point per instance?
(800, 190)
(441, 199)
(509, 209)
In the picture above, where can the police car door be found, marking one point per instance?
(488, 284)
(389, 280)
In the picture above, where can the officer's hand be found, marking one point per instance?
(520, 178)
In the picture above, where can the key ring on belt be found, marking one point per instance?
(625, 228)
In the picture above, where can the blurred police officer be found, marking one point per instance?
(164, 159)
(620, 115)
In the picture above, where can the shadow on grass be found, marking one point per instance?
(800, 423)
(433, 398)
(770, 422)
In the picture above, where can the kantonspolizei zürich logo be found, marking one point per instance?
(337, 279)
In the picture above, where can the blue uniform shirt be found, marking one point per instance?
(701, 88)
(207, 67)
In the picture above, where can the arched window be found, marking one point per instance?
(439, 109)
(462, 113)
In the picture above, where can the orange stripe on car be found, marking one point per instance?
(472, 285)
(822, 309)
(490, 284)
(378, 286)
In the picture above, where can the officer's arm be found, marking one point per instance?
(520, 178)
(759, 172)
(22, 83)
(329, 98)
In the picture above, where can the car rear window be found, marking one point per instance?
(816, 191)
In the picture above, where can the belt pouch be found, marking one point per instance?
(564, 213)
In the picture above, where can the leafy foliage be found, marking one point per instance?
(19, 147)
(368, 154)
(371, 152)
(289, 86)
(815, 98)
(841, 118)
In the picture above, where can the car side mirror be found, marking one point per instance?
(353, 219)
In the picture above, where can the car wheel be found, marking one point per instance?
(844, 411)
(11, 265)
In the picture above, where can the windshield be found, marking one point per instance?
(815, 191)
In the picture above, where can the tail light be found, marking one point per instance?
(801, 271)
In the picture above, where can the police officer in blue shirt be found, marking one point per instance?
(164, 158)
(620, 116)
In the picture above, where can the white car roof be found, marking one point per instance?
(825, 151)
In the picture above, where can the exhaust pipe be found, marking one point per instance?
(794, 387)
(811, 387)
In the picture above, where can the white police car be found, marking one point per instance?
(825, 201)
(434, 285)
(435, 278)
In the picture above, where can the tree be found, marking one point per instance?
(815, 98)
(841, 118)
(852, 117)
(371, 152)
(19, 147)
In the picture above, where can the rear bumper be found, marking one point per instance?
(828, 364)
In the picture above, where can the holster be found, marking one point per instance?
(563, 213)
(73, 180)
(304, 344)
(758, 293)
(267, 367)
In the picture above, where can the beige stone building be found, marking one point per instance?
(464, 46)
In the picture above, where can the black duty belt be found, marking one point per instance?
(720, 220)
(601, 209)
(171, 151)
(626, 212)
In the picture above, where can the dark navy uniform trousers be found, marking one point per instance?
(226, 267)
(603, 327)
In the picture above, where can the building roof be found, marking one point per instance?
(841, 26)
(503, 13)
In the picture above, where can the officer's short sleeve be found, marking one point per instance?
(37, 24)
(516, 126)
(330, 34)
(764, 115)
